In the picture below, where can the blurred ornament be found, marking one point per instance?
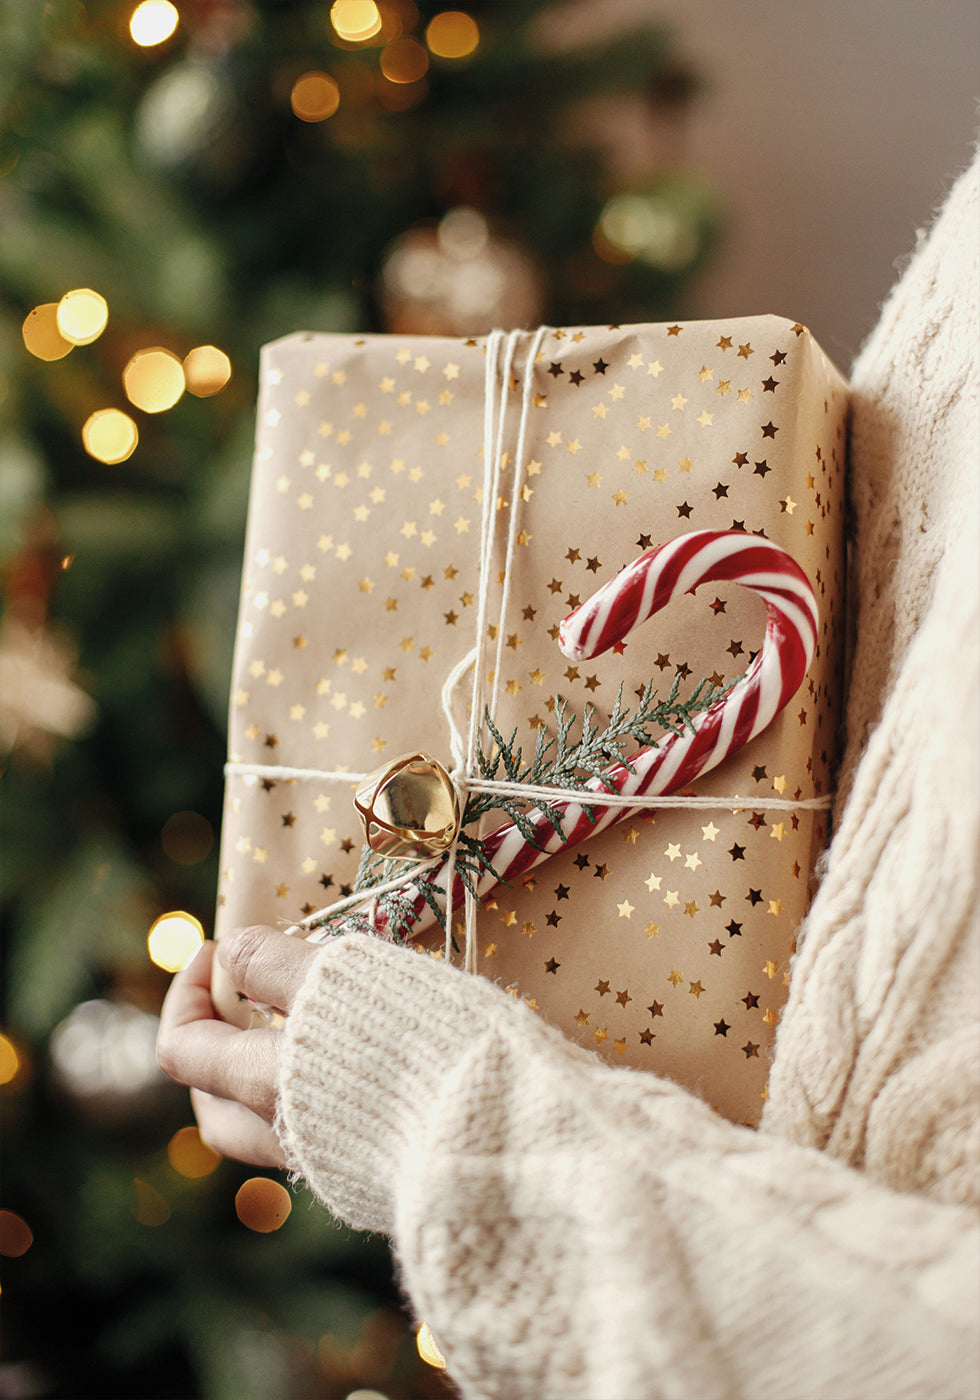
(458, 278)
(39, 703)
(186, 113)
(103, 1058)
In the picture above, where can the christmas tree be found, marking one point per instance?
(179, 185)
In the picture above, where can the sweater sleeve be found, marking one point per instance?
(572, 1230)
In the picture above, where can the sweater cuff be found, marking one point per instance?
(367, 1047)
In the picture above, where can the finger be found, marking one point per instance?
(265, 965)
(234, 1131)
(225, 1061)
(189, 995)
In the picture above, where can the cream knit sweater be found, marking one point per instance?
(569, 1229)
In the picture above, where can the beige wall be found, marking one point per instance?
(832, 127)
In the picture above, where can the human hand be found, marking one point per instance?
(232, 1074)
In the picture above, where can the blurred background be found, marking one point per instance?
(178, 184)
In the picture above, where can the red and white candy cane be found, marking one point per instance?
(637, 593)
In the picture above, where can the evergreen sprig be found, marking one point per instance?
(558, 762)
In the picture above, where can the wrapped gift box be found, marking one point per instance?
(665, 941)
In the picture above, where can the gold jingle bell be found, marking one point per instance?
(409, 808)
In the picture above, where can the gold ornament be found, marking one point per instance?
(409, 808)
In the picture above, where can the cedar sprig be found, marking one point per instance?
(559, 762)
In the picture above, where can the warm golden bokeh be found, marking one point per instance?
(152, 22)
(355, 20)
(82, 315)
(428, 1350)
(41, 334)
(314, 97)
(190, 1155)
(173, 940)
(187, 837)
(262, 1204)
(206, 371)
(16, 1236)
(452, 34)
(154, 380)
(404, 61)
(110, 436)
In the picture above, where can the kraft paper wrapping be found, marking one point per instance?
(663, 943)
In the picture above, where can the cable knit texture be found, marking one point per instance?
(574, 1231)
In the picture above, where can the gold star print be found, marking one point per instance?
(594, 480)
(582, 1019)
(621, 497)
(600, 410)
(675, 978)
(490, 951)
(744, 351)
(775, 907)
(625, 909)
(705, 419)
(652, 930)
(691, 908)
(695, 989)
(770, 969)
(725, 343)
(709, 832)
(673, 851)
(599, 1035)
(573, 446)
(652, 882)
(778, 831)
(692, 861)
(672, 899)
(704, 374)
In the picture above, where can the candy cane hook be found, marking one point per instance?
(639, 591)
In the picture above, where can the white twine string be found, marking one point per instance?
(464, 755)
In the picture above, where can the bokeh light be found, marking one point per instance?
(82, 315)
(187, 837)
(173, 940)
(404, 61)
(452, 34)
(41, 334)
(650, 228)
(190, 1155)
(355, 20)
(110, 435)
(154, 380)
(16, 1236)
(428, 1350)
(10, 1061)
(206, 370)
(149, 1206)
(262, 1204)
(315, 96)
(152, 22)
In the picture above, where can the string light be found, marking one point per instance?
(82, 315)
(650, 228)
(428, 1350)
(152, 22)
(41, 334)
(404, 61)
(173, 940)
(452, 34)
(355, 20)
(154, 380)
(190, 1155)
(315, 96)
(262, 1204)
(109, 436)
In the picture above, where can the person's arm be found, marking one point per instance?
(573, 1230)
